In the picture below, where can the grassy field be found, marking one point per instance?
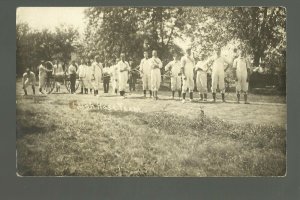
(83, 135)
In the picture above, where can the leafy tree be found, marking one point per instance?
(111, 31)
(34, 46)
(262, 28)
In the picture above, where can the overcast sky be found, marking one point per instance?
(50, 17)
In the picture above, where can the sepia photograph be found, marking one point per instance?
(151, 91)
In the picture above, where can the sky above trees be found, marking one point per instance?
(51, 17)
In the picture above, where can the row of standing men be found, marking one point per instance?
(181, 73)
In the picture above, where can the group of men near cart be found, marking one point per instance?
(182, 72)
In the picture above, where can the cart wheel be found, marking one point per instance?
(68, 85)
(77, 84)
(49, 86)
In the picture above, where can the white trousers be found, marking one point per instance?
(188, 83)
(201, 81)
(218, 79)
(175, 83)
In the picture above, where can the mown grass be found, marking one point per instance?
(57, 139)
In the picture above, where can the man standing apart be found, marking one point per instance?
(97, 69)
(72, 74)
(123, 68)
(145, 69)
(175, 70)
(187, 65)
(156, 65)
(241, 67)
(28, 79)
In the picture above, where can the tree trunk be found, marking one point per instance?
(257, 57)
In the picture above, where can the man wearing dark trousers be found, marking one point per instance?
(106, 78)
(72, 73)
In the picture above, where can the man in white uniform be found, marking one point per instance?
(156, 65)
(218, 75)
(123, 68)
(28, 79)
(81, 75)
(55, 73)
(89, 75)
(241, 73)
(187, 65)
(42, 75)
(96, 75)
(145, 69)
(175, 71)
(115, 76)
(201, 79)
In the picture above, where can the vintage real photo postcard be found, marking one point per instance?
(151, 91)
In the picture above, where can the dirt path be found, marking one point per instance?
(259, 111)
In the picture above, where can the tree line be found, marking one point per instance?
(112, 30)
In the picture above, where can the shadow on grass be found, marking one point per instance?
(116, 113)
(27, 126)
(31, 129)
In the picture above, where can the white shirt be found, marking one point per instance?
(30, 78)
(188, 63)
(241, 64)
(175, 66)
(145, 66)
(72, 69)
(219, 64)
(202, 65)
(123, 66)
(155, 62)
(97, 68)
(106, 71)
(114, 71)
(81, 71)
(42, 71)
